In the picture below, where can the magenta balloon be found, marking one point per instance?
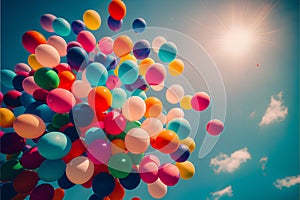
(169, 174)
(150, 158)
(114, 123)
(148, 172)
(113, 82)
(87, 40)
(106, 45)
(73, 44)
(200, 101)
(31, 159)
(214, 127)
(155, 74)
(44, 191)
(60, 100)
(100, 151)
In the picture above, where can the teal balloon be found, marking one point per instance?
(136, 158)
(61, 27)
(180, 126)
(10, 169)
(51, 170)
(54, 145)
(120, 165)
(7, 77)
(46, 78)
(128, 72)
(139, 93)
(93, 134)
(130, 125)
(119, 97)
(111, 72)
(96, 74)
(167, 52)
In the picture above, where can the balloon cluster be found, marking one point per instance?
(90, 119)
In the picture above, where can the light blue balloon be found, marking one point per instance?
(167, 52)
(51, 170)
(54, 145)
(128, 72)
(26, 99)
(139, 93)
(180, 126)
(96, 74)
(7, 78)
(119, 97)
(93, 134)
(61, 27)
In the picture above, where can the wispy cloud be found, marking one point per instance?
(252, 115)
(275, 112)
(287, 182)
(224, 192)
(263, 163)
(230, 163)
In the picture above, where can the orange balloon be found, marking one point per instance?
(117, 9)
(58, 194)
(167, 141)
(117, 146)
(118, 192)
(29, 126)
(122, 45)
(153, 107)
(67, 79)
(144, 65)
(100, 98)
(32, 39)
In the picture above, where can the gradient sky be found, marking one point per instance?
(250, 131)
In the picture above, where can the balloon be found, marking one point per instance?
(122, 45)
(58, 194)
(51, 170)
(100, 98)
(73, 44)
(132, 181)
(77, 149)
(60, 100)
(157, 189)
(18, 80)
(7, 118)
(11, 143)
(87, 40)
(137, 140)
(92, 19)
(117, 9)
(46, 22)
(128, 72)
(167, 52)
(29, 126)
(118, 192)
(32, 39)
(139, 84)
(144, 65)
(169, 174)
(38, 95)
(155, 74)
(64, 182)
(10, 169)
(67, 79)
(114, 25)
(148, 172)
(93, 134)
(114, 123)
(134, 108)
(103, 184)
(29, 85)
(81, 115)
(141, 49)
(54, 145)
(76, 56)
(106, 45)
(7, 77)
(131, 125)
(77, 26)
(113, 82)
(152, 125)
(180, 126)
(59, 44)
(80, 89)
(99, 151)
(44, 191)
(119, 97)
(174, 94)
(153, 107)
(47, 55)
(96, 74)
(34, 64)
(185, 102)
(40, 109)
(12, 98)
(62, 67)
(176, 67)
(22, 67)
(181, 154)
(80, 170)
(136, 158)
(150, 158)
(214, 127)
(25, 182)
(157, 43)
(167, 141)
(7, 191)
(120, 165)
(46, 78)
(190, 143)
(139, 93)
(139, 25)
(200, 101)
(31, 159)
(174, 113)
(186, 169)
(117, 146)
(61, 27)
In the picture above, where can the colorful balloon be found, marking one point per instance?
(80, 170)
(25, 182)
(132, 181)
(169, 174)
(181, 154)
(122, 45)
(190, 143)
(137, 140)
(155, 74)
(61, 27)
(141, 49)
(139, 25)
(174, 93)
(10, 138)
(176, 67)
(59, 44)
(47, 55)
(7, 77)
(31, 159)
(148, 172)
(103, 184)
(92, 19)
(60, 100)
(22, 67)
(51, 170)
(32, 39)
(7, 118)
(128, 72)
(46, 22)
(157, 43)
(119, 97)
(99, 151)
(106, 45)
(144, 65)
(214, 127)
(200, 101)
(152, 125)
(153, 107)
(174, 113)
(100, 98)
(167, 141)
(77, 26)
(87, 40)
(29, 126)
(93, 134)
(76, 56)
(44, 191)
(114, 123)
(46, 78)
(185, 102)
(157, 189)
(96, 74)
(180, 126)
(134, 108)
(117, 9)
(114, 25)
(120, 165)
(186, 169)
(167, 52)
(34, 64)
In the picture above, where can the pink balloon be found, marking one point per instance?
(200, 101)
(150, 158)
(29, 85)
(59, 44)
(46, 22)
(22, 67)
(60, 100)
(214, 127)
(113, 82)
(137, 140)
(87, 40)
(169, 174)
(114, 123)
(149, 172)
(155, 74)
(73, 44)
(106, 45)
(99, 151)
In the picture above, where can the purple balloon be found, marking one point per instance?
(73, 44)
(141, 49)
(140, 83)
(43, 191)
(46, 22)
(100, 151)
(77, 26)
(31, 159)
(114, 25)
(12, 143)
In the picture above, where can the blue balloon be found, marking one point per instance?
(95, 197)
(101, 58)
(96, 74)
(181, 154)
(139, 93)
(42, 110)
(180, 126)
(26, 99)
(76, 57)
(141, 49)
(81, 115)
(61, 27)
(103, 184)
(77, 26)
(128, 72)
(7, 191)
(111, 61)
(64, 182)
(7, 77)
(139, 25)
(114, 25)
(132, 181)
(17, 82)
(167, 52)
(51, 170)
(119, 97)
(93, 134)
(72, 133)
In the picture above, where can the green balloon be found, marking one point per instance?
(119, 136)
(46, 78)
(10, 169)
(120, 165)
(136, 158)
(60, 120)
(131, 125)
(51, 128)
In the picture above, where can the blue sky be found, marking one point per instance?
(262, 117)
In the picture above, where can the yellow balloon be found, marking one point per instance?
(34, 64)
(186, 169)
(185, 102)
(128, 57)
(92, 19)
(144, 65)
(190, 143)
(6, 118)
(176, 67)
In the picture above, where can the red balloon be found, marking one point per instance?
(59, 194)
(117, 9)
(25, 181)
(77, 149)
(135, 198)
(32, 39)
(67, 79)
(43, 191)
(114, 123)
(118, 192)
(62, 67)
(40, 94)
(31, 159)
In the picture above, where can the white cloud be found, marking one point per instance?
(275, 112)
(263, 163)
(224, 192)
(252, 115)
(226, 163)
(287, 182)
